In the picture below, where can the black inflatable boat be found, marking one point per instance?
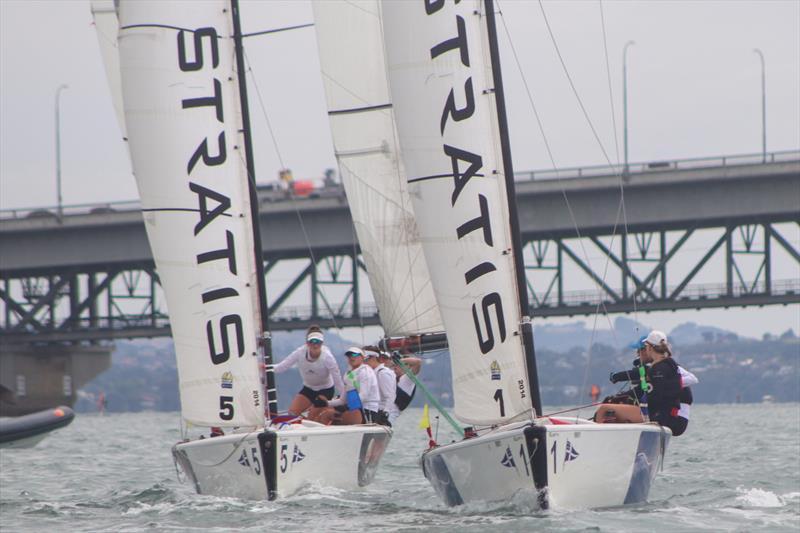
(27, 430)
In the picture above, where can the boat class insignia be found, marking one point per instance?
(227, 380)
(570, 453)
(495, 369)
(297, 456)
(508, 459)
(243, 460)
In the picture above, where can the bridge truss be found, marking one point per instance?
(649, 270)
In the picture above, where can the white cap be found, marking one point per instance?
(656, 338)
(354, 351)
(315, 336)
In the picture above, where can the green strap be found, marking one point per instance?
(408, 372)
(646, 387)
(351, 375)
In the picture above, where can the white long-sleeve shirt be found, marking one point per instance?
(320, 373)
(363, 380)
(387, 386)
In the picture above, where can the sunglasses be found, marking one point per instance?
(315, 341)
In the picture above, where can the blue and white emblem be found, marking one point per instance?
(297, 455)
(508, 459)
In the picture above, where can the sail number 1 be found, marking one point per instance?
(498, 397)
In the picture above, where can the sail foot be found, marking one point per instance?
(426, 342)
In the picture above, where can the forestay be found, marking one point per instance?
(183, 114)
(441, 86)
(365, 141)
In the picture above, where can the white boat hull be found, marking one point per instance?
(275, 463)
(564, 466)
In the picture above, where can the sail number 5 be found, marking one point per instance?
(226, 407)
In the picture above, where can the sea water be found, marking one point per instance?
(737, 468)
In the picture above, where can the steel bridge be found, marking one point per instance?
(694, 233)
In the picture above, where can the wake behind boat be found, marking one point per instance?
(28, 430)
(184, 95)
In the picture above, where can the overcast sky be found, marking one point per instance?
(694, 90)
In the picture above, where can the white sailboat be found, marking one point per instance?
(446, 91)
(185, 106)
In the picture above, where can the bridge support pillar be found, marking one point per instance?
(36, 377)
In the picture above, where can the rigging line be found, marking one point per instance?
(559, 179)
(591, 126)
(278, 30)
(264, 110)
(552, 161)
(291, 192)
(616, 143)
(355, 268)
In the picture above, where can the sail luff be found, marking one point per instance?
(516, 239)
(264, 341)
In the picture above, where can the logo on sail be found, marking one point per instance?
(508, 459)
(495, 369)
(227, 380)
(297, 456)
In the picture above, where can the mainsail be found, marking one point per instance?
(351, 55)
(183, 114)
(442, 88)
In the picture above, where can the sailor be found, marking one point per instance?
(687, 379)
(405, 386)
(319, 371)
(665, 394)
(387, 383)
(361, 395)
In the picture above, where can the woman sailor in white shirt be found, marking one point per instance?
(361, 393)
(405, 387)
(387, 383)
(318, 369)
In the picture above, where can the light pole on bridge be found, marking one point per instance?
(58, 150)
(763, 106)
(625, 101)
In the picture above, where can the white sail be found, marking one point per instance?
(182, 109)
(442, 90)
(362, 123)
(106, 25)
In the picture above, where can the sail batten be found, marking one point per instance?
(442, 90)
(185, 122)
(361, 116)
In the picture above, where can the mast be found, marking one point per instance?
(265, 341)
(522, 289)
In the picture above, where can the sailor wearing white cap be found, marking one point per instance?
(361, 396)
(318, 369)
(387, 384)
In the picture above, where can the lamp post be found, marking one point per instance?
(58, 150)
(763, 107)
(625, 101)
